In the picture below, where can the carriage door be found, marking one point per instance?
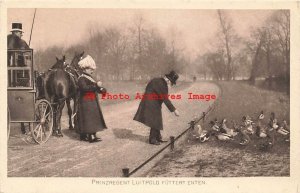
(20, 86)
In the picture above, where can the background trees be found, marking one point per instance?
(270, 49)
(265, 54)
(138, 51)
(133, 53)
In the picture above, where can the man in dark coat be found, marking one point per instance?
(14, 41)
(149, 111)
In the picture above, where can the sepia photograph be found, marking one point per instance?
(155, 97)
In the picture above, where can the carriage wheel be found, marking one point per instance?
(8, 123)
(42, 127)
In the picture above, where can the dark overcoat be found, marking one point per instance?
(89, 118)
(15, 42)
(149, 111)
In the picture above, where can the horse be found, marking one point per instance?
(57, 86)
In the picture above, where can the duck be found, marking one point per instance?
(224, 137)
(261, 116)
(261, 130)
(228, 131)
(197, 131)
(219, 132)
(236, 128)
(245, 130)
(248, 124)
(272, 122)
(283, 128)
(215, 125)
(204, 136)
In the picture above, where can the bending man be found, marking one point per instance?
(149, 111)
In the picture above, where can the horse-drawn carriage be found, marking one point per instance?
(57, 85)
(23, 106)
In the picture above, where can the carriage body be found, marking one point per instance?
(20, 85)
(21, 96)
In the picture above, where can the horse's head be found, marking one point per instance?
(60, 63)
(74, 63)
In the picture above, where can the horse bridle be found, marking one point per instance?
(74, 68)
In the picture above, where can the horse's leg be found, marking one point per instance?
(58, 119)
(75, 106)
(74, 116)
(55, 108)
(23, 128)
(70, 114)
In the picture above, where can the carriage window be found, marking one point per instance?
(19, 78)
(19, 58)
(19, 64)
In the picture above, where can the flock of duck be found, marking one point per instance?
(245, 130)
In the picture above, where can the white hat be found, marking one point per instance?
(87, 62)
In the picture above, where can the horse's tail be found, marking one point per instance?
(60, 92)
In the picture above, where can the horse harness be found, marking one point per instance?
(74, 78)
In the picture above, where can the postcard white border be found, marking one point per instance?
(230, 185)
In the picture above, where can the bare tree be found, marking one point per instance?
(280, 22)
(137, 33)
(227, 37)
(201, 66)
(270, 47)
(240, 65)
(46, 58)
(96, 46)
(215, 62)
(255, 46)
(173, 47)
(139, 52)
(115, 51)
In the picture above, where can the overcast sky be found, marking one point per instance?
(194, 29)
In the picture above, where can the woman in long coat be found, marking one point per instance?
(89, 115)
